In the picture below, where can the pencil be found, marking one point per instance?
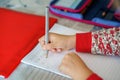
(46, 28)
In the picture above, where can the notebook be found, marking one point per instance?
(105, 66)
(41, 61)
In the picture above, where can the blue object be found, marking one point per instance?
(68, 14)
(106, 22)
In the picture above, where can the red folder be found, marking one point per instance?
(19, 33)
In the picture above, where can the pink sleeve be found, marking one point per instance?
(94, 77)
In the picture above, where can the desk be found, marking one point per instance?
(26, 72)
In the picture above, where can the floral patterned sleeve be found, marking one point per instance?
(102, 42)
(106, 42)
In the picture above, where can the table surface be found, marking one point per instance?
(27, 72)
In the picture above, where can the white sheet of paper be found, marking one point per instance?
(108, 67)
(37, 56)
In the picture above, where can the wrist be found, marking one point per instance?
(86, 73)
(71, 41)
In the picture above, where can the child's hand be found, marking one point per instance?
(73, 66)
(58, 42)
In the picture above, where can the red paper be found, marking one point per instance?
(19, 33)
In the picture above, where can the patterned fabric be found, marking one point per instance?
(106, 42)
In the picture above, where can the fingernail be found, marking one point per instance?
(59, 50)
(53, 50)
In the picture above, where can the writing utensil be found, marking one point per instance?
(46, 28)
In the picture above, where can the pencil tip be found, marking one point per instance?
(46, 55)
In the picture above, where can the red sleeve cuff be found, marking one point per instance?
(94, 77)
(83, 42)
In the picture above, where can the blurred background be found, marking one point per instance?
(29, 6)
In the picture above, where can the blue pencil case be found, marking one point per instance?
(96, 12)
(69, 15)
